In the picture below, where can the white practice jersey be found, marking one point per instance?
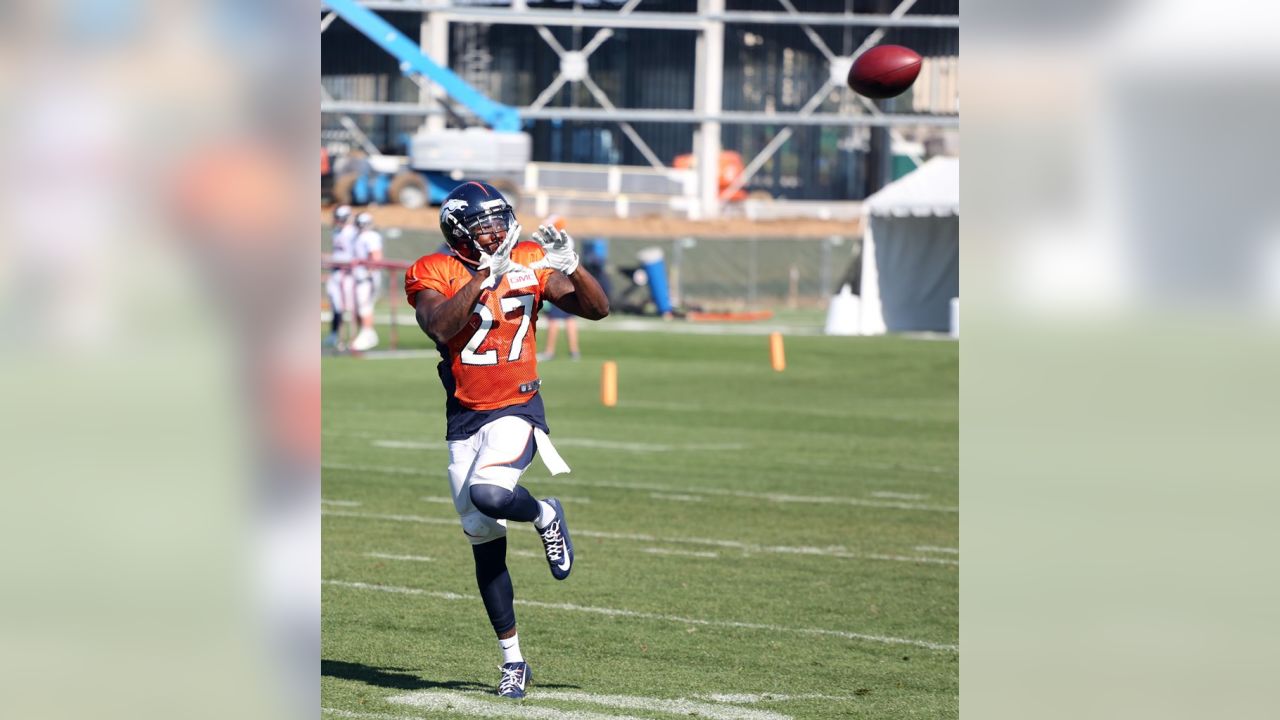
(367, 243)
(344, 241)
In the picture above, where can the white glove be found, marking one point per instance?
(500, 262)
(558, 246)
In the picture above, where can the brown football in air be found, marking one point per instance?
(884, 71)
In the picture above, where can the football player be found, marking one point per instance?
(479, 302)
(339, 286)
(368, 248)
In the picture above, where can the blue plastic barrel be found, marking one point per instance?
(360, 192)
(651, 259)
(382, 189)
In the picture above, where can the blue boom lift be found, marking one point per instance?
(437, 160)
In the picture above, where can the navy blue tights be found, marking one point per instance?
(495, 584)
(491, 557)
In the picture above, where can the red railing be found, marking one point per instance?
(327, 262)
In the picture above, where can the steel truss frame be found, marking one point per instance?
(709, 23)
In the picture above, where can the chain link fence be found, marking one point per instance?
(715, 274)
(738, 273)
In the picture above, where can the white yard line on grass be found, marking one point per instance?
(675, 497)
(391, 516)
(389, 556)
(339, 712)
(898, 495)
(771, 697)
(931, 548)
(680, 553)
(905, 466)
(681, 706)
(682, 489)
(771, 497)
(382, 469)
(616, 612)
(340, 503)
(834, 551)
(474, 706)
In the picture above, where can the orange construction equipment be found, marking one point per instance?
(731, 167)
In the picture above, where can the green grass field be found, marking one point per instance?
(750, 545)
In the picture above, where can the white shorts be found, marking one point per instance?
(366, 294)
(341, 288)
(498, 454)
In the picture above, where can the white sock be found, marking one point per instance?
(510, 649)
(546, 514)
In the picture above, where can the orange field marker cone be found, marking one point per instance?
(609, 383)
(777, 356)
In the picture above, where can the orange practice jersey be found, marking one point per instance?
(492, 362)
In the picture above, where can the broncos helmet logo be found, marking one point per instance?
(447, 216)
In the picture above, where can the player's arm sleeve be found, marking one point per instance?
(423, 276)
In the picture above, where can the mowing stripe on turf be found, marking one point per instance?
(616, 612)
(833, 551)
(680, 490)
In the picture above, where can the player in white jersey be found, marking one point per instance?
(341, 285)
(367, 249)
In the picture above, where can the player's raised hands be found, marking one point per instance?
(558, 246)
(500, 262)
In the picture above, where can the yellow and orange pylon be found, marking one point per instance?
(777, 356)
(609, 383)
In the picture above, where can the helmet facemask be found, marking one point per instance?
(496, 224)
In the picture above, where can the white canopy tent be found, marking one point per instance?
(911, 251)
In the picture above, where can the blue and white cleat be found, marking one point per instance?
(515, 678)
(556, 543)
